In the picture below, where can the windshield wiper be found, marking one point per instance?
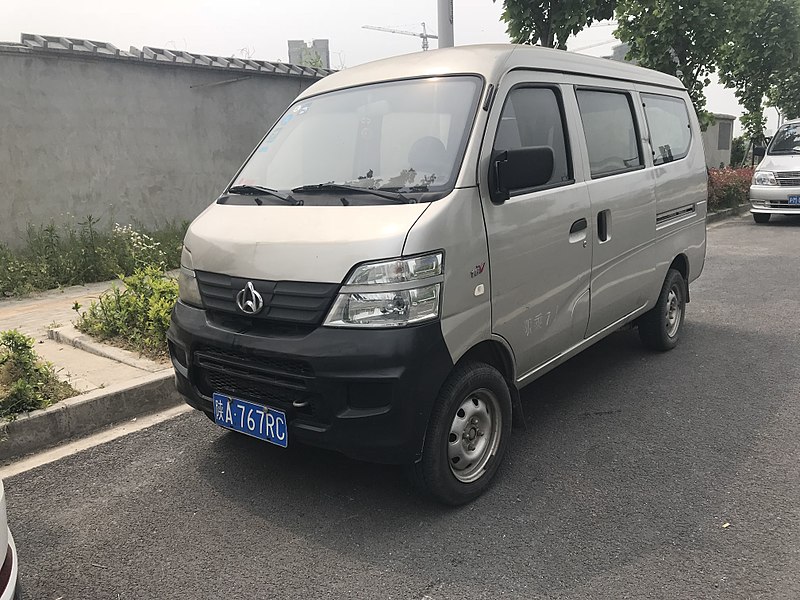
(258, 189)
(332, 187)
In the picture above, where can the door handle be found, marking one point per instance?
(578, 225)
(578, 231)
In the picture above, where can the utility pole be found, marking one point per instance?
(445, 23)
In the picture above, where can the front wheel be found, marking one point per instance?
(467, 436)
(660, 328)
(761, 217)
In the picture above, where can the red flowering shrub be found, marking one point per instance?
(728, 187)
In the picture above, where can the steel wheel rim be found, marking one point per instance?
(474, 435)
(673, 312)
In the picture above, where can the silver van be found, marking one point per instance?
(776, 182)
(417, 239)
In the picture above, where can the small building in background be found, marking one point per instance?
(618, 53)
(317, 54)
(717, 140)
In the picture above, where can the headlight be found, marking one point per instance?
(379, 295)
(764, 178)
(397, 271)
(188, 290)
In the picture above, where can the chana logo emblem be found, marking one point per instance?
(249, 300)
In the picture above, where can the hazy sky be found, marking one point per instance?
(260, 28)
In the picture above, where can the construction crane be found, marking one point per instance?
(424, 35)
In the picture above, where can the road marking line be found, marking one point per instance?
(96, 439)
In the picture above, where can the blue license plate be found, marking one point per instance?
(251, 419)
(794, 199)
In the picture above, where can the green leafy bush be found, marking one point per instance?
(136, 317)
(728, 188)
(78, 253)
(26, 381)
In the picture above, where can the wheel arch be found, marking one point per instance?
(681, 264)
(499, 355)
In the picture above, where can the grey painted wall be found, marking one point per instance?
(124, 141)
(717, 139)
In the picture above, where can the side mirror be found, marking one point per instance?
(759, 151)
(520, 169)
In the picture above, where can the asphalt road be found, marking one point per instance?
(621, 487)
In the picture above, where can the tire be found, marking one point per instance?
(471, 421)
(761, 217)
(660, 328)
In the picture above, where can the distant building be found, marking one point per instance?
(717, 140)
(618, 53)
(317, 54)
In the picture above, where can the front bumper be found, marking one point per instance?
(773, 200)
(365, 393)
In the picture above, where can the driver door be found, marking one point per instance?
(539, 248)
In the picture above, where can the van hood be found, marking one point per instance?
(297, 243)
(780, 162)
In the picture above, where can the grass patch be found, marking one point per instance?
(136, 317)
(26, 381)
(78, 253)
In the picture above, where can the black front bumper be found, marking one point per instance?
(365, 393)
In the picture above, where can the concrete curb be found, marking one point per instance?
(725, 213)
(88, 412)
(68, 335)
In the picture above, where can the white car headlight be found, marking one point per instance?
(379, 295)
(764, 178)
(188, 290)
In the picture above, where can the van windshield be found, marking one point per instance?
(406, 137)
(786, 141)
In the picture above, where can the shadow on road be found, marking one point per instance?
(624, 455)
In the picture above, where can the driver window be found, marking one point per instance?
(532, 117)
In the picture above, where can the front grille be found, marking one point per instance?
(781, 204)
(282, 367)
(290, 302)
(277, 382)
(789, 182)
(788, 174)
(247, 389)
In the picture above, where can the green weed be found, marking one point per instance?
(26, 381)
(136, 317)
(81, 252)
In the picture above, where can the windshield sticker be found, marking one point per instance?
(301, 109)
(270, 138)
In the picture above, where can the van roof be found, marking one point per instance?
(491, 61)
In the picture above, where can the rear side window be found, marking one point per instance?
(533, 117)
(670, 131)
(610, 129)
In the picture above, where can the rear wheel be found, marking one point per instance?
(467, 436)
(660, 328)
(761, 217)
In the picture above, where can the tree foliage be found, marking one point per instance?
(754, 44)
(676, 37)
(550, 22)
(785, 92)
(754, 59)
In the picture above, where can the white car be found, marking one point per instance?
(776, 182)
(10, 569)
